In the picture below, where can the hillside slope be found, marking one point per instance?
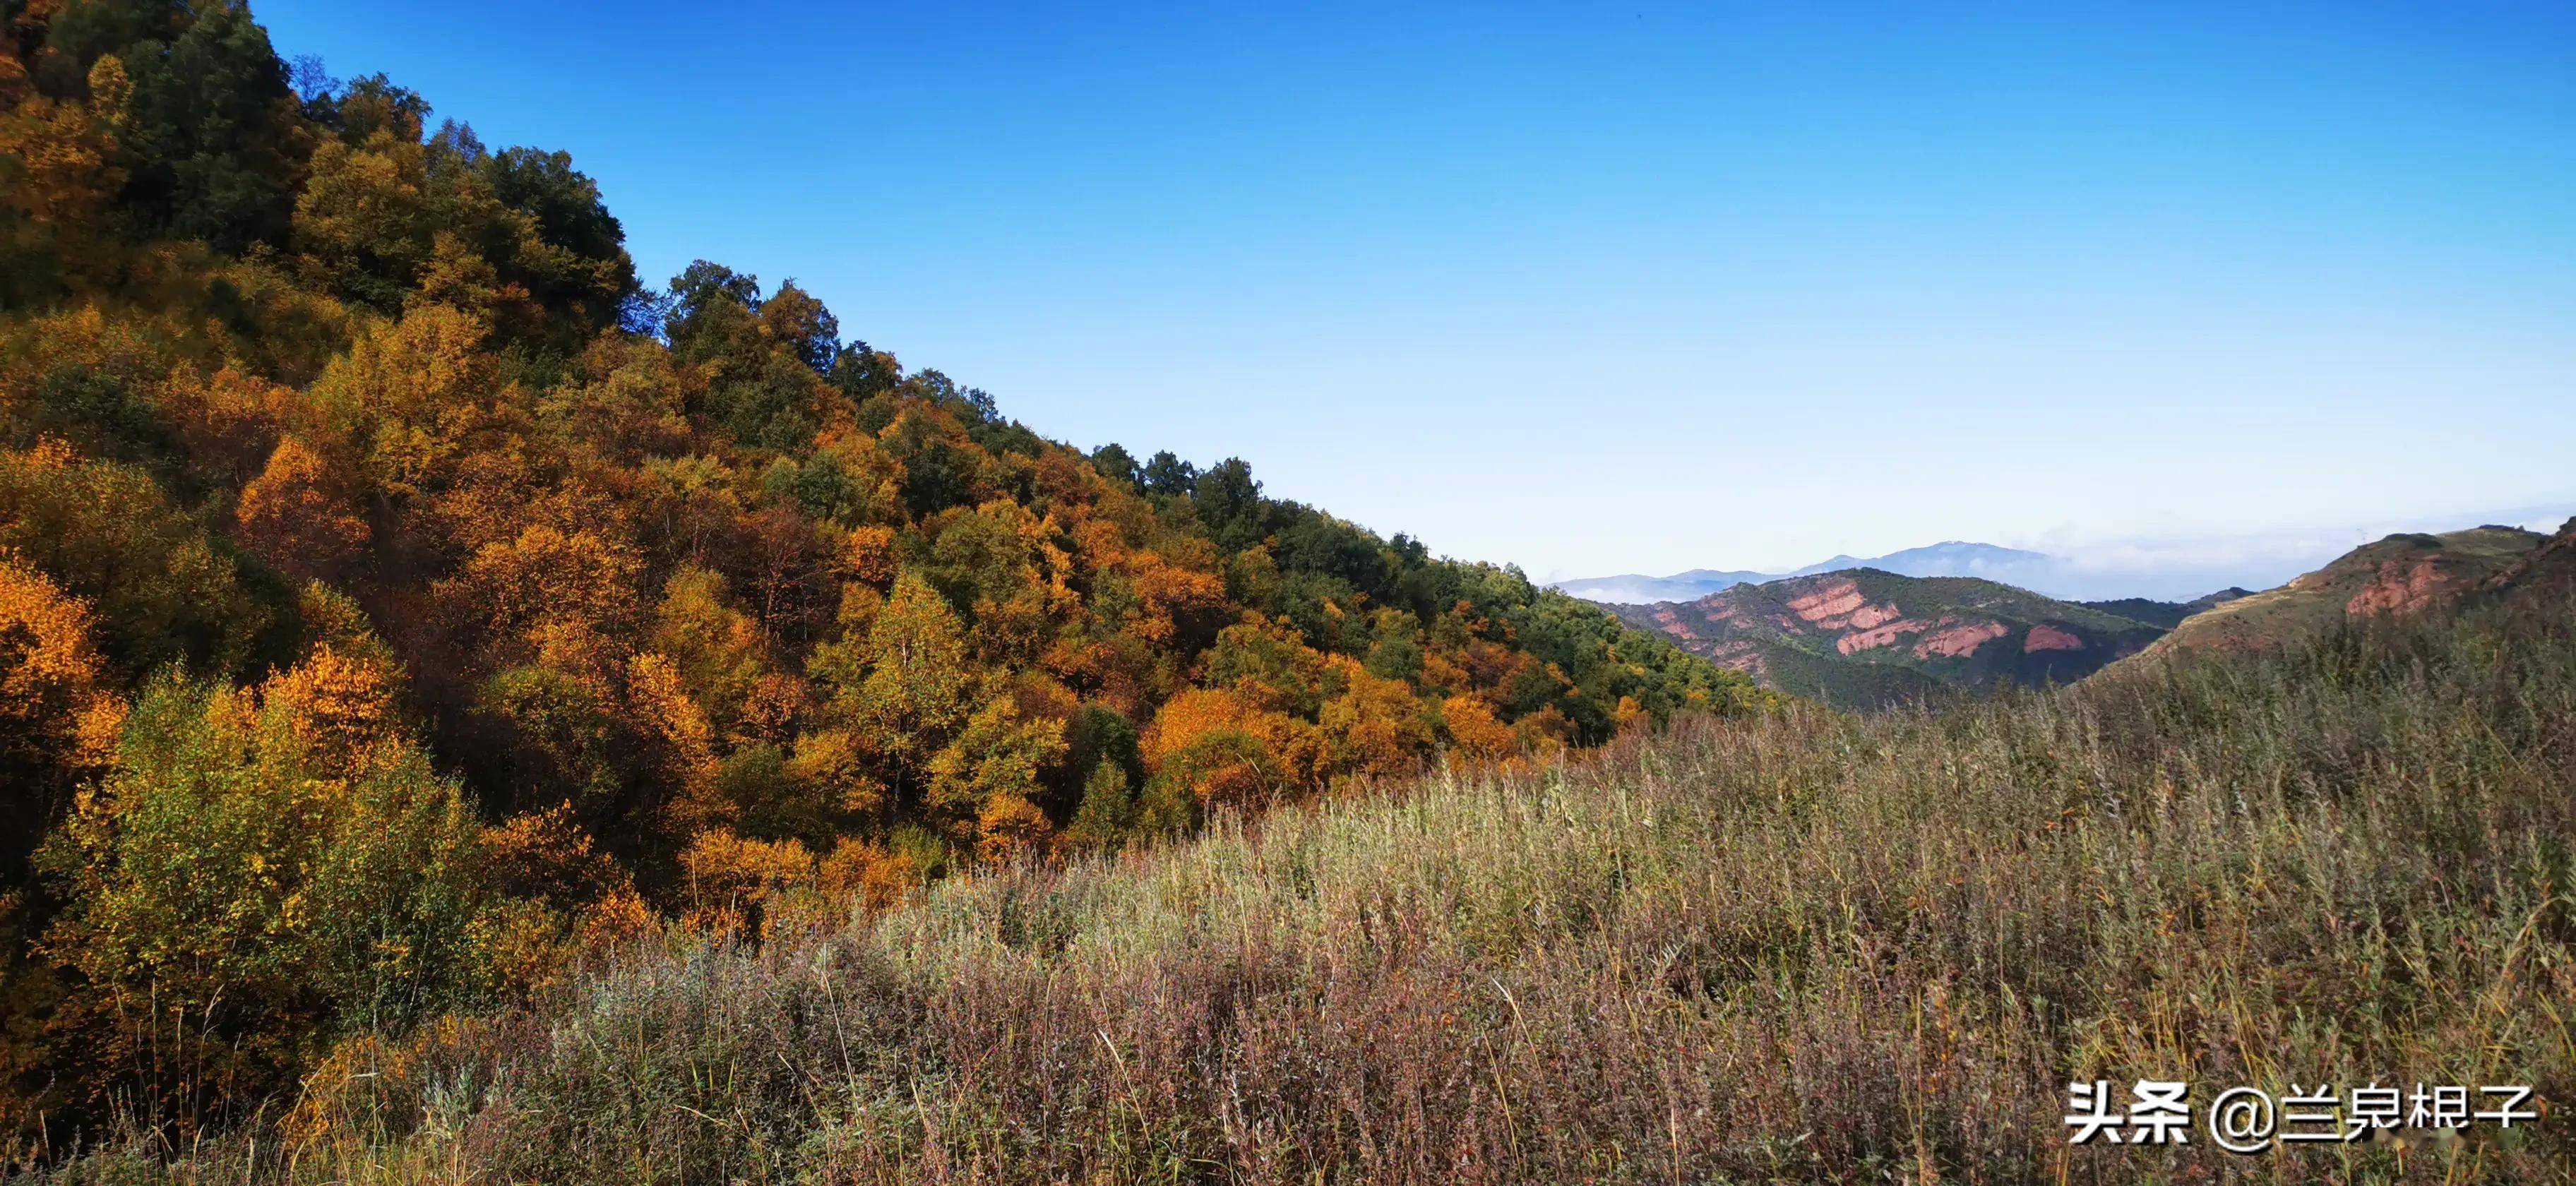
(2545, 574)
(1815, 948)
(2400, 574)
(1865, 638)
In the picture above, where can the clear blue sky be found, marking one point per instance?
(1640, 287)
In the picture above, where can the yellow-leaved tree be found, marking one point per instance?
(58, 714)
(259, 871)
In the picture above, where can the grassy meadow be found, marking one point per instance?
(1811, 947)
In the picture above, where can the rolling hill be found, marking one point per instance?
(1865, 638)
(2401, 574)
(2167, 614)
(2545, 572)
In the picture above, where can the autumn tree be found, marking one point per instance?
(731, 880)
(60, 174)
(905, 686)
(1373, 727)
(299, 514)
(244, 884)
(159, 589)
(716, 648)
(58, 714)
(413, 397)
(1473, 732)
(1218, 748)
(364, 222)
(983, 781)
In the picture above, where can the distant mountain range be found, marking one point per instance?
(2171, 570)
(1954, 558)
(1865, 637)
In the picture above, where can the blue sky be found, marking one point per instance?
(1641, 287)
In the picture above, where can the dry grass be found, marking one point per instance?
(1809, 948)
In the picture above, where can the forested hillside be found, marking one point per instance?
(399, 599)
(1804, 947)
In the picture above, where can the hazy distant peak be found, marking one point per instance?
(1949, 558)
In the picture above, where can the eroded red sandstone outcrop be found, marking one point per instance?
(1831, 606)
(2399, 588)
(1741, 656)
(1951, 638)
(2044, 637)
(1881, 636)
(1959, 641)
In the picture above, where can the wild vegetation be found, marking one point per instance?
(1794, 948)
(398, 600)
(467, 715)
